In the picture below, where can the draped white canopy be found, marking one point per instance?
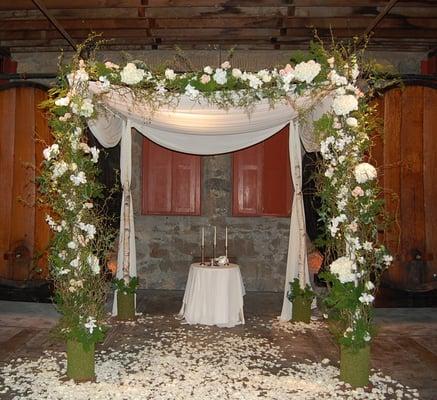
(199, 128)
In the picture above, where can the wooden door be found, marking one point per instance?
(24, 234)
(406, 153)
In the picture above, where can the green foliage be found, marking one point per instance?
(306, 293)
(126, 288)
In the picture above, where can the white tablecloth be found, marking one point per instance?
(214, 296)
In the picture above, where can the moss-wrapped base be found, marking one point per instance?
(355, 366)
(80, 362)
(125, 306)
(301, 311)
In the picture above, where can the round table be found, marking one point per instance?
(213, 296)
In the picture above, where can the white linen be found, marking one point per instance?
(213, 296)
(297, 265)
(196, 127)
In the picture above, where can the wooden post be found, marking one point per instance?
(126, 241)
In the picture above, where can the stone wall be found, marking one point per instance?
(166, 245)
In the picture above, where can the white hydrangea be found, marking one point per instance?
(208, 70)
(364, 172)
(79, 178)
(220, 76)
(191, 92)
(131, 75)
(343, 268)
(93, 262)
(306, 71)
(344, 104)
(51, 151)
(170, 74)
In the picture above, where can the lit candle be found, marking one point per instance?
(203, 236)
(226, 237)
(215, 235)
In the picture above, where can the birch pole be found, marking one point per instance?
(126, 238)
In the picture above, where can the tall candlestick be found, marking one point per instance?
(215, 236)
(203, 236)
(226, 236)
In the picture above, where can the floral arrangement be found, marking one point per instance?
(352, 209)
(68, 186)
(348, 186)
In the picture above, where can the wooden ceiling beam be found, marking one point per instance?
(380, 16)
(55, 23)
(243, 23)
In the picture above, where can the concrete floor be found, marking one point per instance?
(405, 348)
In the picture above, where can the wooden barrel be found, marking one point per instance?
(24, 234)
(406, 153)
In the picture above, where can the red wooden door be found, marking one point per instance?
(406, 155)
(24, 235)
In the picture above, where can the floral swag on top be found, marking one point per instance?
(348, 188)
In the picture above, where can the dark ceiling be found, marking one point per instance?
(200, 24)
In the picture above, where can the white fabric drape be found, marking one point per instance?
(297, 265)
(198, 128)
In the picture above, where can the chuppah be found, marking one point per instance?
(216, 110)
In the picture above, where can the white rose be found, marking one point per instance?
(131, 75)
(306, 71)
(63, 101)
(51, 151)
(352, 122)
(364, 172)
(208, 70)
(220, 76)
(344, 104)
(72, 245)
(236, 73)
(79, 178)
(226, 65)
(343, 267)
(170, 74)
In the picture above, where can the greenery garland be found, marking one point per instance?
(347, 185)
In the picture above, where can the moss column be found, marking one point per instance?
(80, 361)
(355, 366)
(125, 306)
